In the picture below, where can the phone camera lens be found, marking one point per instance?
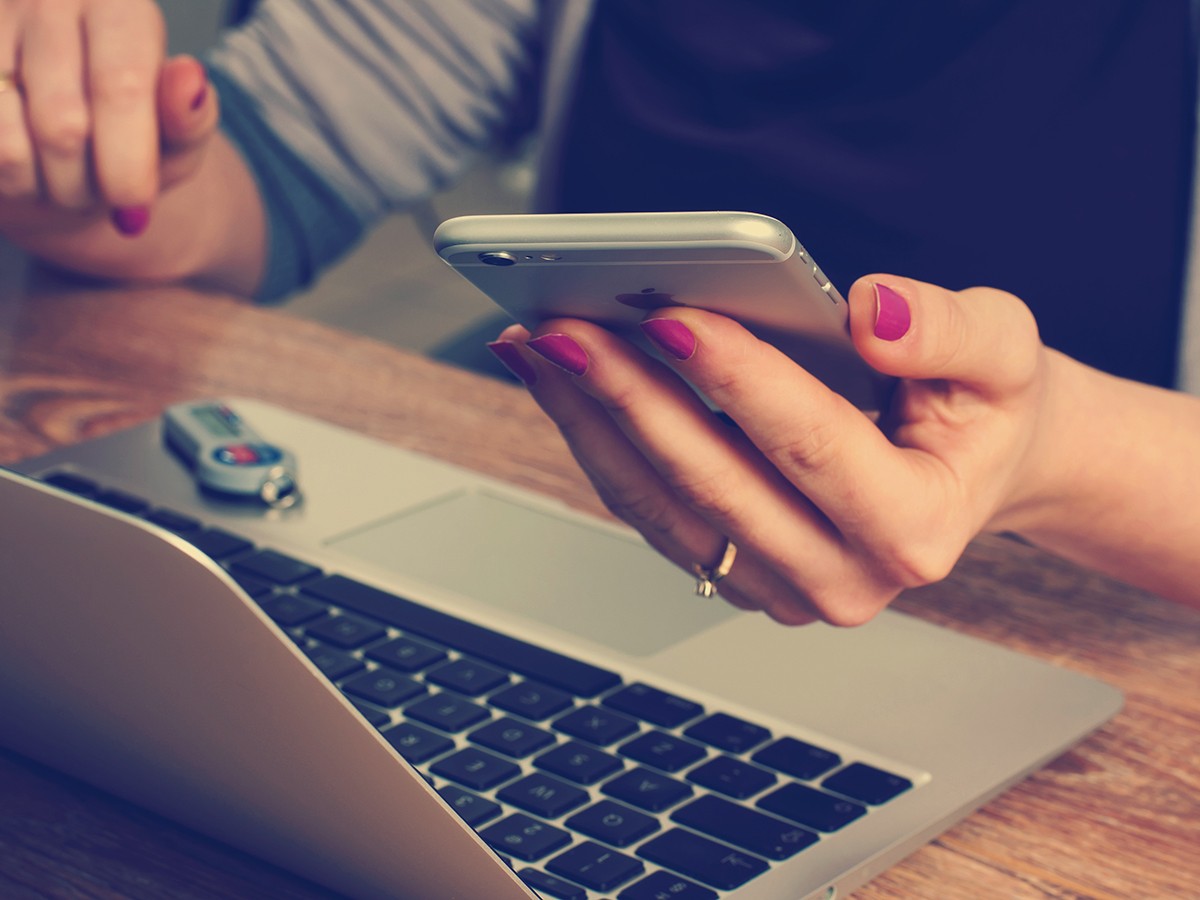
(497, 259)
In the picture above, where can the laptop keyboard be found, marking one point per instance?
(587, 784)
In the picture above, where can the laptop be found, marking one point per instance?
(422, 682)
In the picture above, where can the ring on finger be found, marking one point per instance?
(708, 576)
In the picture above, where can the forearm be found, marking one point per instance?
(210, 228)
(1119, 490)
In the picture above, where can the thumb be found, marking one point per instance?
(980, 337)
(188, 112)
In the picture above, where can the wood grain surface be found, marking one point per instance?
(1119, 816)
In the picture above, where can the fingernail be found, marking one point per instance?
(561, 350)
(131, 220)
(671, 336)
(510, 356)
(201, 96)
(892, 316)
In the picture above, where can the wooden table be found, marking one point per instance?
(1117, 817)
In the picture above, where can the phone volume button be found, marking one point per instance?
(825, 285)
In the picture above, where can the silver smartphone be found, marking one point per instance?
(612, 268)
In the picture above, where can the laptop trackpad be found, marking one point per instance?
(602, 586)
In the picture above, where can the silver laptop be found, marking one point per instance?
(423, 683)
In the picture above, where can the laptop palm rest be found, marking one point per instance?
(547, 567)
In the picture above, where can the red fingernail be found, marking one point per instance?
(131, 220)
(561, 350)
(201, 96)
(671, 336)
(510, 356)
(892, 316)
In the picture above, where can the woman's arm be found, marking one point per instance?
(341, 111)
(1119, 491)
(834, 514)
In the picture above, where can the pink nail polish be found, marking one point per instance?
(561, 350)
(892, 315)
(671, 336)
(510, 356)
(201, 96)
(131, 220)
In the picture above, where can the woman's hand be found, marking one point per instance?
(832, 514)
(94, 121)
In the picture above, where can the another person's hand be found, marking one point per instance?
(832, 514)
(94, 121)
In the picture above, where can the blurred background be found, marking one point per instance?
(393, 287)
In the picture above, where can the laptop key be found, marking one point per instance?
(663, 751)
(548, 886)
(511, 737)
(276, 567)
(217, 543)
(119, 500)
(253, 586)
(475, 768)
(72, 483)
(797, 758)
(467, 677)
(473, 809)
(613, 823)
(866, 783)
(596, 725)
(171, 520)
(531, 700)
(728, 733)
(383, 688)
(405, 654)
(647, 789)
(417, 744)
(543, 795)
(376, 717)
(810, 807)
(580, 678)
(334, 664)
(596, 867)
(290, 610)
(525, 838)
(578, 762)
(654, 706)
(666, 886)
(731, 777)
(346, 632)
(754, 831)
(447, 712)
(714, 864)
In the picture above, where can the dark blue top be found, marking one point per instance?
(1040, 147)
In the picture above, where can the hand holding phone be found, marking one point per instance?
(613, 268)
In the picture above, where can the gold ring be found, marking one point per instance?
(707, 577)
(9, 82)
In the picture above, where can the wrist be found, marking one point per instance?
(1110, 483)
(1052, 482)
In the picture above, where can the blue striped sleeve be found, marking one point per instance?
(389, 100)
(309, 224)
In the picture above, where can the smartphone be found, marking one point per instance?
(613, 268)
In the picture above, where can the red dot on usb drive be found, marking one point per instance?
(238, 455)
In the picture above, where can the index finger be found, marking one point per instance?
(126, 46)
